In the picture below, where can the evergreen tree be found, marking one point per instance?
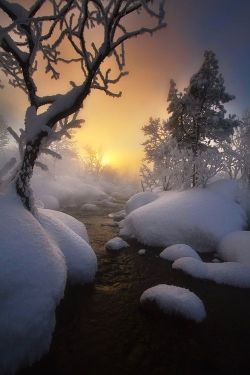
(198, 116)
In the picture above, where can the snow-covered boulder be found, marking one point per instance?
(89, 207)
(80, 258)
(173, 300)
(77, 226)
(116, 244)
(235, 247)
(32, 282)
(177, 251)
(139, 200)
(198, 217)
(142, 252)
(117, 216)
(229, 273)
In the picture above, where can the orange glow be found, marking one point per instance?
(114, 125)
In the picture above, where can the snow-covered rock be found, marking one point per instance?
(142, 252)
(235, 247)
(80, 258)
(139, 200)
(117, 216)
(116, 244)
(229, 273)
(197, 217)
(77, 226)
(89, 207)
(174, 300)
(177, 251)
(32, 280)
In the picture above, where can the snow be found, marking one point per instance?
(32, 279)
(177, 251)
(198, 217)
(142, 252)
(67, 190)
(139, 200)
(89, 207)
(49, 201)
(80, 258)
(236, 247)
(229, 273)
(174, 300)
(77, 226)
(117, 216)
(116, 244)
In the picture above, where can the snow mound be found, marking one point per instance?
(229, 273)
(77, 226)
(89, 207)
(69, 191)
(198, 217)
(236, 247)
(139, 200)
(116, 244)
(174, 300)
(177, 251)
(142, 252)
(80, 258)
(226, 188)
(32, 279)
(117, 216)
(49, 201)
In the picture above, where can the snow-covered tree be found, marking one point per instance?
(198, 116)
(93, 161)
(165, 165)
(236, 152)
(84, 33)
(4, 134)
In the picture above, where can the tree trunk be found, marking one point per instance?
(25, 172)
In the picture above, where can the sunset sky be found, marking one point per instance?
(175, 52)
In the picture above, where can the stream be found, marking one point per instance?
(102, 330)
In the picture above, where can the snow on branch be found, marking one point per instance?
(46, 26)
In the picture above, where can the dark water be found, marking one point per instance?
(102, 330)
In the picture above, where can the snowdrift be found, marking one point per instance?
(235, 247)
(32, 279)
(198, 217)
(37, 254)
(80, 258)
